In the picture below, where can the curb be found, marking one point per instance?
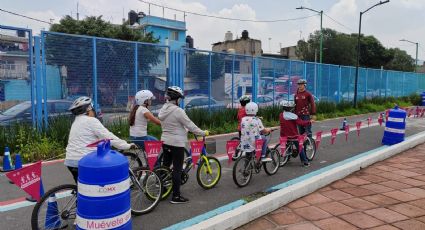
(299, 187)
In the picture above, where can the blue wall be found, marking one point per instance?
(162, 29)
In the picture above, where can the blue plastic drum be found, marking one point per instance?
(395, 127)
(423, 98)
(103, 200)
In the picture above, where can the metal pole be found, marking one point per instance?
(274, 80)
(94, 74)
(321, 37)
(136, 67)
(233, 80)
(38, 88)
(416, 63)
(209, 83)
(44, 73)
(358, 62)
(339, 84)
(31, 63)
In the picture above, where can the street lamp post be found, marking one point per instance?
(358, 50)
(417, 45)
(321, 28)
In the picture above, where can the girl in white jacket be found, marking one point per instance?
(175, 123)
(86, 129)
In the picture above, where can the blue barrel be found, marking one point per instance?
(103, 190)
(395, 127)
(423, 98)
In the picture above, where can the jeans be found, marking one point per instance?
(305, 129)
(174, 155)
(140, 141)
(265, 144)
(303, 157)
(74, 172)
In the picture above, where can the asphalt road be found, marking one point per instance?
(202, 201)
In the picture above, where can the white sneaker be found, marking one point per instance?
(266, 159)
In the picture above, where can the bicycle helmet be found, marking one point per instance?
(251, 108)
(81, 105)
(287, 105)
(244, 99)
(174, 93)
(302, 81)
(143, 95)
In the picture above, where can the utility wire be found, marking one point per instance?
(226, 18)
(24, 16)
(348, 28)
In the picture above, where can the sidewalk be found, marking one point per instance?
(387, 195)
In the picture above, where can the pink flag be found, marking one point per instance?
(318, 138)
(333, 135)
(153, 149)
(358, 125)
(368, 121)
(347, 130)
(231, 147)
(283, 141)
(301, 139)
(258, 148)
(28, 179)
(196, 149)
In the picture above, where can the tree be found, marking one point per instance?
(400, 60)
(115, 59)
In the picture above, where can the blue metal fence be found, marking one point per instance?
(112, 71)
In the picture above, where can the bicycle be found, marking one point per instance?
(247, 163)
(145, 191)
(208, 172)
(291, 150)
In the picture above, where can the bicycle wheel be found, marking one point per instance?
(145, 191)
(242, 171)
(57, 209)
(272, 167)
(310, 148)
(284, 157)
(133, 160)
(206, 179)
(166, 177)
(237, 154)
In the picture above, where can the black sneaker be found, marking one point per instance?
(306, 164)
(179, 200)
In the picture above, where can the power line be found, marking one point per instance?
(226, 18)
(24, 16)
(348, 28)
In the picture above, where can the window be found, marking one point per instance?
(62, 107)
(174, 35)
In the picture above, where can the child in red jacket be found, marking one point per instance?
(288, 126)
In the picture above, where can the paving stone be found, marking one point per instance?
(377, 188)
(386, 168)
(415, 191)
(361, 220)
(384, 227)
(334, 223)
(422, 219)
(401, 196)
(386, 215)
(261, 223)
(418, 203)
(395, 184)
(285, 218)
(406, 173)
(356, 181)
(392, 176)
(359, 203)
(373, 178)
(410, 225)
(381, 199)
(312, 213)
(341, 184)
(402, 166)
(357, 191)
(297, 204)
(316, 198)
(421, 178)
(335, 208)
(336, 194)
(303, 226)
(408, 210)
(412, 182)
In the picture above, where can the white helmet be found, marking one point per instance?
(286, 103)
(81, 105)
(251, 108)
(143, 95)
(174, 93)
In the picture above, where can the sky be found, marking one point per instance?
(391, 22)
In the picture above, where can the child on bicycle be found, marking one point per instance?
(252, 129)
(288, 126)
(175, 123)
(87, 129)
(139, 118)
(243, 100)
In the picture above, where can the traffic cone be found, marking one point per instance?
(18, 161)
(52, 214)
(344, 123)
(7, 161)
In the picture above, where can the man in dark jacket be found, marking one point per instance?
(304, 106)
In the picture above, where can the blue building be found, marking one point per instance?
(163, 29)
